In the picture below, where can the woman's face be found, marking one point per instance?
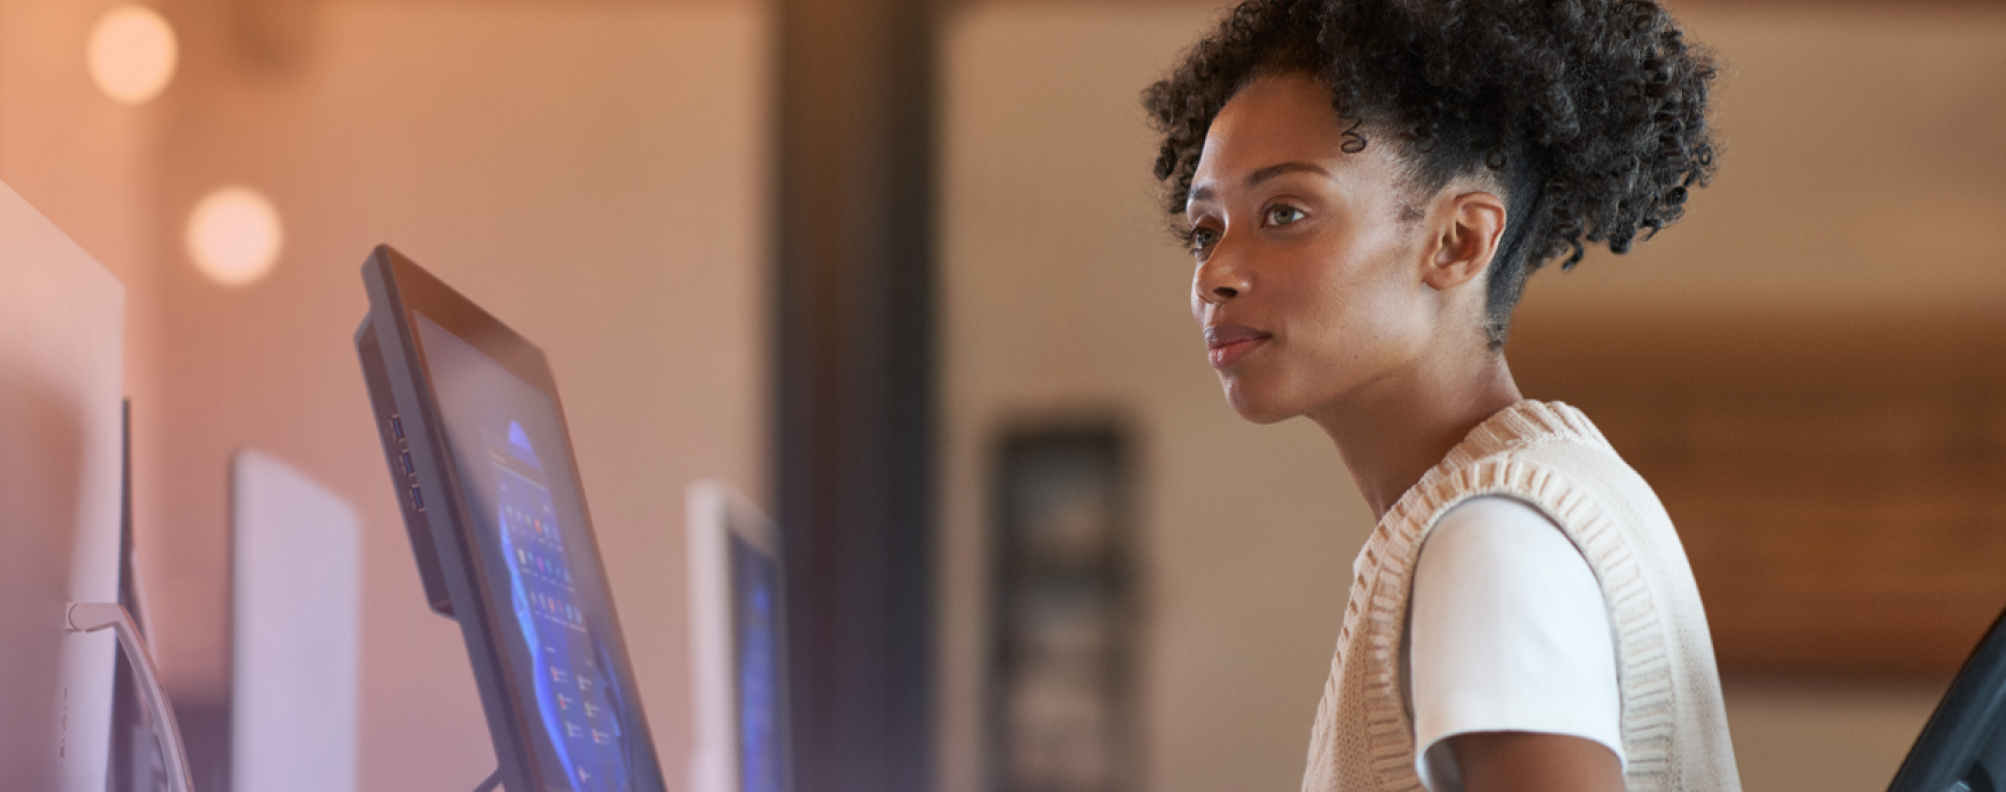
(1309, 282)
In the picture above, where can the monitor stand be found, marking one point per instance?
(94, 616)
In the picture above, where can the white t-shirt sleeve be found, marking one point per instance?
(1508, 631)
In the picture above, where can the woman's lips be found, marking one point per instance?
(1227, 343)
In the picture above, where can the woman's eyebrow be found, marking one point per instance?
(1206, 193)
(1264, 174)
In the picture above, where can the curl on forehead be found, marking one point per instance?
(1282, 123)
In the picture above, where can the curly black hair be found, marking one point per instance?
(1591, 114)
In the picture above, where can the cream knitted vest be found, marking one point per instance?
(1549, 455)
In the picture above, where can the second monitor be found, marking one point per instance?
(479, 454)
(738, 644)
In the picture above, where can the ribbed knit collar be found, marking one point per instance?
(1509, 428)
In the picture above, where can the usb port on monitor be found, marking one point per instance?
(397, 427)
(417, 498)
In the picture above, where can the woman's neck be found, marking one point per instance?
(1393, 432)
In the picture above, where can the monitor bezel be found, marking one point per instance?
(1963, 723)
(444, 542)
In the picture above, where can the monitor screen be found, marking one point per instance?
(755, 602)
(504, 436)
(477, 446)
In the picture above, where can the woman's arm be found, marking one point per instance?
(1513, 659)
(1534, 762)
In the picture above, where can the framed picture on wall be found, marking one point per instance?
(1062, 711)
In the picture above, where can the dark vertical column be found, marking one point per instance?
(855, 387)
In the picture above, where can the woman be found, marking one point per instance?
(1364, 186)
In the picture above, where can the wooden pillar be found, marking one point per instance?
(855, 387)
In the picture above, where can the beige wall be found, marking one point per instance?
(593, 173)
(1857, 178)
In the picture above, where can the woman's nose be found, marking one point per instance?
(1219, 278)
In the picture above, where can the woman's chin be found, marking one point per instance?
(1254, 409)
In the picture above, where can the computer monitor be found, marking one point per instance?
(295, 630)
(738, 648)
(62, 362)
(1963, 747)
(480, 458)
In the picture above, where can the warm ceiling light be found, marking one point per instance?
(132, 54)
(234, 236)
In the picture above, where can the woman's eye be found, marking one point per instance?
(1282, 215)
(1200, 238)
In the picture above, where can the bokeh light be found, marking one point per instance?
(132, 54)
(234, 236)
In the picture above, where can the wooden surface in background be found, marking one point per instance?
(1840, 486)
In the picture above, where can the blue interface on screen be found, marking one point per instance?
(560, 666)
(755, 588)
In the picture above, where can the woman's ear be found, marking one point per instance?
(1471, 225)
